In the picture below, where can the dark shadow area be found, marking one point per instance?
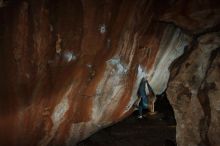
(162, 106)
(153, 130)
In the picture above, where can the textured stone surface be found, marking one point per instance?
(193, 92)
(193, 16)
(71, 67)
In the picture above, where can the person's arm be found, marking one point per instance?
(150, 89)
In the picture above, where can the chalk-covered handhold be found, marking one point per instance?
(102, 29)
(69, 56)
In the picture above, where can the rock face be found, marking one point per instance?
(72, 67)
(194, 92)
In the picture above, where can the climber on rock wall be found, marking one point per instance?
(143, 104)
(144, 97)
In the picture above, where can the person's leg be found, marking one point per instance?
(144, 103)
(140, 109)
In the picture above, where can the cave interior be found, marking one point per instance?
(70, 71)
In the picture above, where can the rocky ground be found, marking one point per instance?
(150, 131)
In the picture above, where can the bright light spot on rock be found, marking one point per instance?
(57, 118)
(89, 65)
(102, 28)
(69, 56)
(60, 110)
(119, 66)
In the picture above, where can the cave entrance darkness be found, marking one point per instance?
(153, 130)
